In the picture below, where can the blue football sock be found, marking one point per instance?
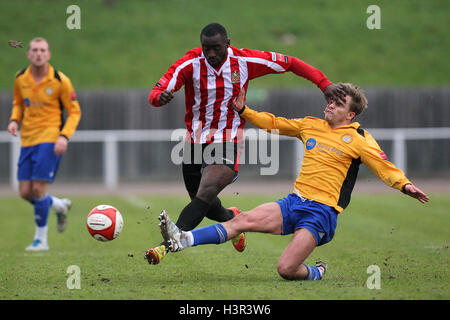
(210, 234)
(313, 273)
(42, 209)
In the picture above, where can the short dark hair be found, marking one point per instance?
(212, 29)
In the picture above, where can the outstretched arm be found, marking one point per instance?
(330, 90)
(267, 121)
(261, 63)
(377, 161)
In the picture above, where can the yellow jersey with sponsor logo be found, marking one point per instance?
(332, 156)
(39, 107)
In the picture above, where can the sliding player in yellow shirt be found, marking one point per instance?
(334, 148)
(40, 94)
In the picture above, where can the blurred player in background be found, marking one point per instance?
(334, 149)
(40, 94)
(213, 75)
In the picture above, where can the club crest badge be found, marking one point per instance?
(346, 138)
(235, 77)
(49, 91)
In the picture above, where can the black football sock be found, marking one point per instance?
(218, 213)
(192, 214)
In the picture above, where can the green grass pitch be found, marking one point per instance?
(406, 240)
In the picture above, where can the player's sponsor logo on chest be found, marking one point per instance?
(328, 149)
(310, 143)
(33, 103)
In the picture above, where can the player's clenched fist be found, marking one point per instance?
(165, 97)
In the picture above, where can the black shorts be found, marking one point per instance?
(197, 156)
(212, 153)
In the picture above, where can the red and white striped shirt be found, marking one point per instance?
(209, 91)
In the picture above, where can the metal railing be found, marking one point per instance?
(111, 138)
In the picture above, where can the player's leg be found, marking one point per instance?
(193, 213)
(265, 218)
(25, 190)
(230, 156)
(196, 178)
(195, 158)
(42, 203)
(47, 165)
(313, 224)
(40, 233)
(291, 264)
(24, 173)
(213, 180)
(61, 207)
(39, 189)
(192, 176)
(213, 154)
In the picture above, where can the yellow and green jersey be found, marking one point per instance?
(332, 156)
(39, 107)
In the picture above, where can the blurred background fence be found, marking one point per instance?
(121, 138)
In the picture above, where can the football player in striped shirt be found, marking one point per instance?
(40, 95)
(334, 148)
(212, 76)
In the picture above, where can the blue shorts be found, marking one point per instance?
(316, 217)
(38, 162)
